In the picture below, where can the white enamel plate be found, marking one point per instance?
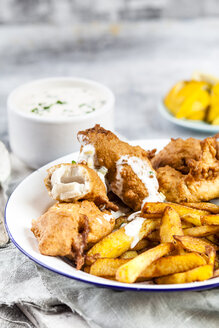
(30, 200)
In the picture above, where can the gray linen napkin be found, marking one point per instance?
(24, 282)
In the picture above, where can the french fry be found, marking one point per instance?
(216, 273)
(186, 213)
(173, 264)
(193, 244)
(154, 236)
(87, 269)
(164, 266)
(216, 263)
(210, 219)
(214, 239)
(201, 273)
(210, 243)
(106, 267)
(186, 225)
(179, 250)
(119, 221)
(192, 218)
(130, 271)
(152, 215)
(141, 245)
(201, 231)
(118, 257)
(203, 206)
(129, 255)
(118, 242)
(170, 226)
(211, 253)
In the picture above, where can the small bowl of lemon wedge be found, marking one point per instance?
(193, 104)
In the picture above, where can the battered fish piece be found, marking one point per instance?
(202, 181)
(72, 182)
(66, 229)
(129, 172)
(177, 153)
(173, 185)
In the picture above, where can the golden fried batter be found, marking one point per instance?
(129, 169)
(72, 182)
(177, 153)
(66, 229)
(202, 181)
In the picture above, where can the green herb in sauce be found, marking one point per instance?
(47, 107)
(60, 102)
(90, 108)
(35, 110)
(42, 108)
(66, 101)
(73, 162)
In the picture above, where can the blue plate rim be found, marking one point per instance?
(188, 124)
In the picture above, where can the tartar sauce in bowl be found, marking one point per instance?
(44, 116)
(63, 101)
(60, 99)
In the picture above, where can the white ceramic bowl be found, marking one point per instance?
(39, 140)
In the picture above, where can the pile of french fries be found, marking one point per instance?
(177, 244)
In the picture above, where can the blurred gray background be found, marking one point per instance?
(139, 48)
(81, 11)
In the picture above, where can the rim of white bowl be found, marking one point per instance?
(109, 105)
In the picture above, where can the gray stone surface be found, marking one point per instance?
(138, 61)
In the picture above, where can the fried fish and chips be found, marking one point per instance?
(200, 273)
(129, 172)
(119, 241)
(171, 242)
(120, 221)
(201, 231)
(170, 225)
(143, 243)
(173, 264)
(161, 267)
(214, 239)
(211, 253)
(216, 273)
(194, 244)
(131, 270)
(72, 182)
(154, 236)
(201, 183)
(210, 220)
(107, 267)
(186, 213)
(129, 255)
(176, 154)
(66, 229)
(210, 207)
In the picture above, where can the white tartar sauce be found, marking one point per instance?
(133, 229)
(62, 101)
(144, 172)
(88, 155)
